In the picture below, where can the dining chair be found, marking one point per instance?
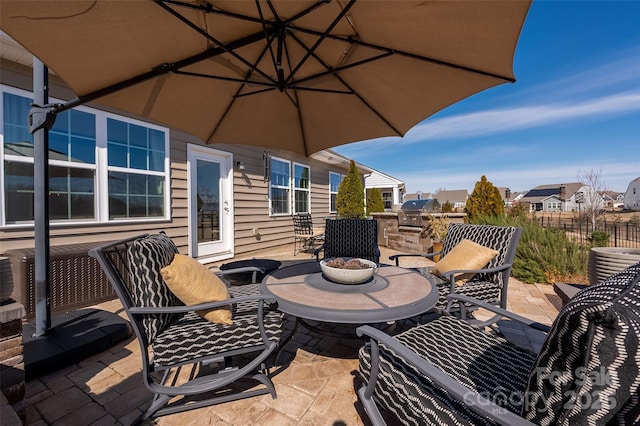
(189, 361)
(488, 283)
(350, 238)
(449, 371)
(304, 234)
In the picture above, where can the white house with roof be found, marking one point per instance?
(632, 196)
(573, 196)
(391, 189)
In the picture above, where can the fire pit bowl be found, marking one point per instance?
(348, 276)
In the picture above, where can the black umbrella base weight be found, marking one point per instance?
(73, 336)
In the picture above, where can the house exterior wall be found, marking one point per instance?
(254, 227)
(632, 196)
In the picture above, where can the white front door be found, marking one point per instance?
(210, 203)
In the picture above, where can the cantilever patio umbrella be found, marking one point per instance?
(297, 75)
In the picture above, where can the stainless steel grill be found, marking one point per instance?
(410, 213)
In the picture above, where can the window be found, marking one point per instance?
(387, 199)
(334, 184)
(280, 187)
(302, 189)
(134, 166)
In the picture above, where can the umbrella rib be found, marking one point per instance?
(321, 37)
(345, 84)
(209, 37)
(157, 71)
(352, 40)
(344, 67)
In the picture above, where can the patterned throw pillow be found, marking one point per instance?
(146, 257)
(194, 283)
(587, 370)
(465, 255)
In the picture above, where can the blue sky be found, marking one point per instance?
(574, 108)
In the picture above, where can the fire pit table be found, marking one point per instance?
(393, 293)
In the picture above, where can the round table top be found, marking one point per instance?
(394, 293)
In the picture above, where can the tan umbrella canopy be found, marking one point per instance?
(296, 75)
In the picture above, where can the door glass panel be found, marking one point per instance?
(208, 198)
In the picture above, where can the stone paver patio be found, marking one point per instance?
(314, 382)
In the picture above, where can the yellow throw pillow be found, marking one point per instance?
(465, 255)
(193, 283)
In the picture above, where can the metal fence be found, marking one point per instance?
(621, 234)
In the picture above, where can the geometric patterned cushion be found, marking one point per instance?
(146, 257)
(591, 356)
(191, 336)
(351, 238)
(488, 292)
(486, 363)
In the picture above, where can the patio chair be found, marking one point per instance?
(304, 236)
(489, 283)
(449, 371)
(350, 238)
(189, 361)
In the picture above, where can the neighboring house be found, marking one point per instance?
(114, 175)
(507, 195)
(457, 197)
(632, 196)
(611, 199)
(555, 197)
(417, 196)
(392, 189)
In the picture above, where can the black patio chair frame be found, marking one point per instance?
(304, 236)
(208, 360)
(450, 371)
(490, 283)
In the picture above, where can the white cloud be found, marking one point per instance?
(614, 176)
(508, 120)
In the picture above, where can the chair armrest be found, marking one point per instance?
(254, 269)
(208, 305)
(450, 275)
(397, 256)
(497, 310)
(467, 396)
(317, 251)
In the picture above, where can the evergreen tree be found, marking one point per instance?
(447, 207)
(485, 200)
(374, 201)
(350, 197)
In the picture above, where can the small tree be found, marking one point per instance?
(593, 204)
(484, 200)
(350, 197)
(374, 201)
(447, 207)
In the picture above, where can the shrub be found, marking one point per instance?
(350, 197)
(447, 207)
(374, 201)
(599, 239)
(544, 255)
(484, 200)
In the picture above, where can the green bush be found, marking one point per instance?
(374, 201)
(544, 255)
(599, 239)
(485, 200)
(350, 197)
(447, 207)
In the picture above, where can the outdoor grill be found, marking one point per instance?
(410, 213)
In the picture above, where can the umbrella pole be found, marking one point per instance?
(39, 126)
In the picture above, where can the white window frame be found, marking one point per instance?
(340, 178)
(295, 188)
(100, 167)
(286, 187)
